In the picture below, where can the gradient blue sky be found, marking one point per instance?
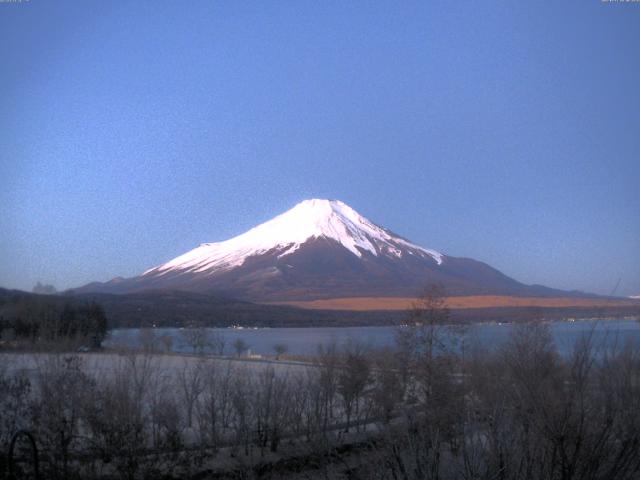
(508, 132)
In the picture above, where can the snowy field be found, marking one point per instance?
(166, 365)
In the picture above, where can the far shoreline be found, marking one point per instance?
(506, 321)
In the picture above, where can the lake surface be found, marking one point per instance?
(305, 341)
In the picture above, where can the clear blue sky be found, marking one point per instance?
(508, 132)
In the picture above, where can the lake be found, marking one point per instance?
(305, 341)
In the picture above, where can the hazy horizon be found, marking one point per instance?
(506, 133)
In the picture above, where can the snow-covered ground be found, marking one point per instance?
(167, 364)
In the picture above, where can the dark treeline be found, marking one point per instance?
(422, 410)
(186, 309)
(44, 321)
(181, 309)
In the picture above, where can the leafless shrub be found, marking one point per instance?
(240, 346)
(217, 343)
(280, 349)
(191, 385)
(61, 389)
(271, 408)
(196, 338)
(15, 399)
(241, 396)
(213, 408)
(387, 391)
(148, 340)
(167, 342)
(353, 378)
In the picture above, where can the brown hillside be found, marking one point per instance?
(462, 302)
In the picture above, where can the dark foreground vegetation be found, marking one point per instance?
(419, 411)
(43, 322)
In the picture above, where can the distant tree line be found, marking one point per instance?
(45, 289)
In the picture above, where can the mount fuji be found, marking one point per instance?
(319, 249)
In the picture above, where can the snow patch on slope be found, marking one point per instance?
(285, 233)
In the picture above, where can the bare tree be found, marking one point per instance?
(209, 406)
(271, 408)
(190, 380)
(115, 418)
(242, 392)
(325, 379)
(425, 334)
(353, 378)
(62, 384)
(167, 342)
(299, 403)
(16, 403)
(428, 338)
(280, 349)
(217, 342)
(147, 339)
(240, 346)
(197, 338)
(387, 388)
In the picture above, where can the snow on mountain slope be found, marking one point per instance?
(284, 234)
(320, 249)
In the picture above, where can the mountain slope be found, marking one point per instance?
(320, 249)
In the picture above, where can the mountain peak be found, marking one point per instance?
(285, 233)
(320, 203)
(319, 210)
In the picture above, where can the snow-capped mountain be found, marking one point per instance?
(319, 249)
(285, 234)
